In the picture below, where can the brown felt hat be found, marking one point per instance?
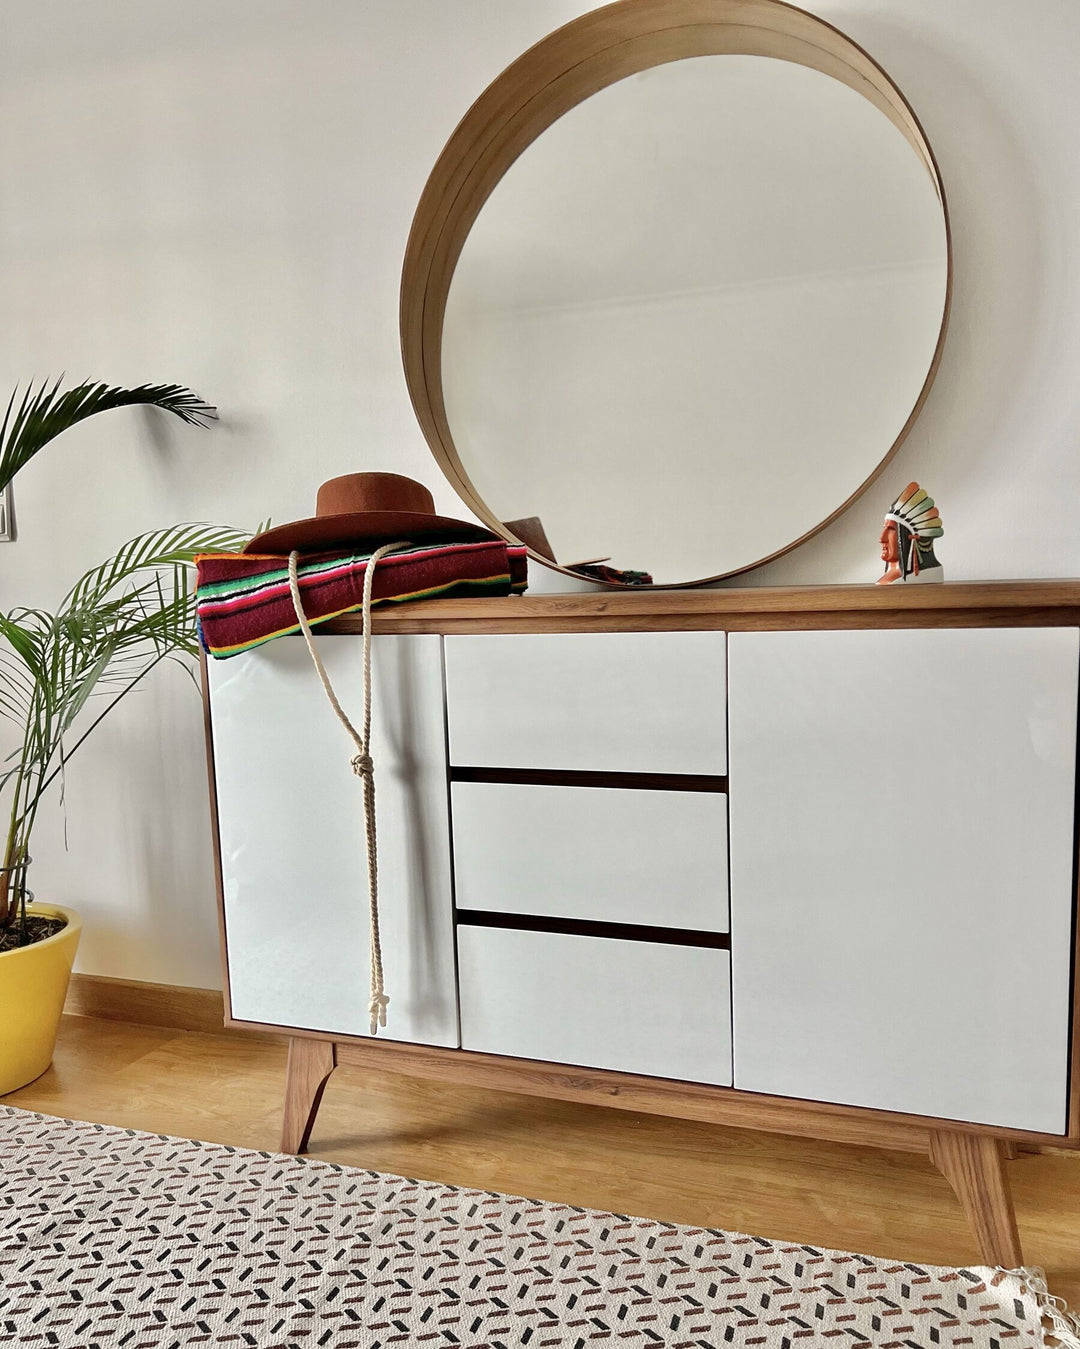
(367, 509)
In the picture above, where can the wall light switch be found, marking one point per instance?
(7, 515)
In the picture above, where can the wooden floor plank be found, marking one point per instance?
(228, 1089)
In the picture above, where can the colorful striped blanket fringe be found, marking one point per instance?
(243, 600)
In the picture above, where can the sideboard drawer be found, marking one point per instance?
(637, 1007)
(632, 702)
(610, 854)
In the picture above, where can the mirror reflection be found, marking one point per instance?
(694, 316)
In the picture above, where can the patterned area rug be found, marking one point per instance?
(111, 1238)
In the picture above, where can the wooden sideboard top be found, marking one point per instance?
(959, 604)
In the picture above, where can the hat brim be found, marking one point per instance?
(328, 533)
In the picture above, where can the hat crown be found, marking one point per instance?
(356, 492)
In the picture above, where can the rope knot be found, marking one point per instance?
(362, 765)
(377, 1009)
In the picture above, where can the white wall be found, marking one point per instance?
(218, 193)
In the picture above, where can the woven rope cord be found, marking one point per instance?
(362, 764)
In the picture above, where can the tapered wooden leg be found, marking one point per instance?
(974, 1165)
(306, 1074)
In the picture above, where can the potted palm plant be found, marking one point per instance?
(61, 673)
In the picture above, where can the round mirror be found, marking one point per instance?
(677, 317)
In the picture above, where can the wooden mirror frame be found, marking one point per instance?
(561, 71)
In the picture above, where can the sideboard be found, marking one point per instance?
(800, 859)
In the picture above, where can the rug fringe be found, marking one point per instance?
(1064, 1324)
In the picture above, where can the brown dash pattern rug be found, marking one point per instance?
(114, 1239)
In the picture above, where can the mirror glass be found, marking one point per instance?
(694, 316)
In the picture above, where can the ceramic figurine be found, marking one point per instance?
(907, 538)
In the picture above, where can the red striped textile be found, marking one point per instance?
(243, 599)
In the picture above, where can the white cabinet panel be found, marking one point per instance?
(637, 702)
(637, 1007)
(901, 813)
(292, 837)
(613, 854)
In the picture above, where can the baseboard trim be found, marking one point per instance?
(170, 1006)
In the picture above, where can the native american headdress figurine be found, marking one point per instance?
(907, 538)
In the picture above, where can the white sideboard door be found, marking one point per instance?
(292, 837)
(902, 850)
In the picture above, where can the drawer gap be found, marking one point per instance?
(572, 777)
(588, 927)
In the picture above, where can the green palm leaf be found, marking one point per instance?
(23, 640)
(119, 620)
(16, 688)
(159, 548)
(116, 623)
(43, 412)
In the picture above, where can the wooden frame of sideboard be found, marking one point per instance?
(970, 1155)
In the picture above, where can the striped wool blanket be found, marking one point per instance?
(243, 599)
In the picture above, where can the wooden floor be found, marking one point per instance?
(228, 1089)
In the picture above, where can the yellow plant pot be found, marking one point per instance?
(33, 985)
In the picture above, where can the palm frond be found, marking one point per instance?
(42, 413)
(22, 639)
(78, 692)
(12, 711)
(116, 624)
(16, 689)
(158, 548)
(38, 619)
(14, 672)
